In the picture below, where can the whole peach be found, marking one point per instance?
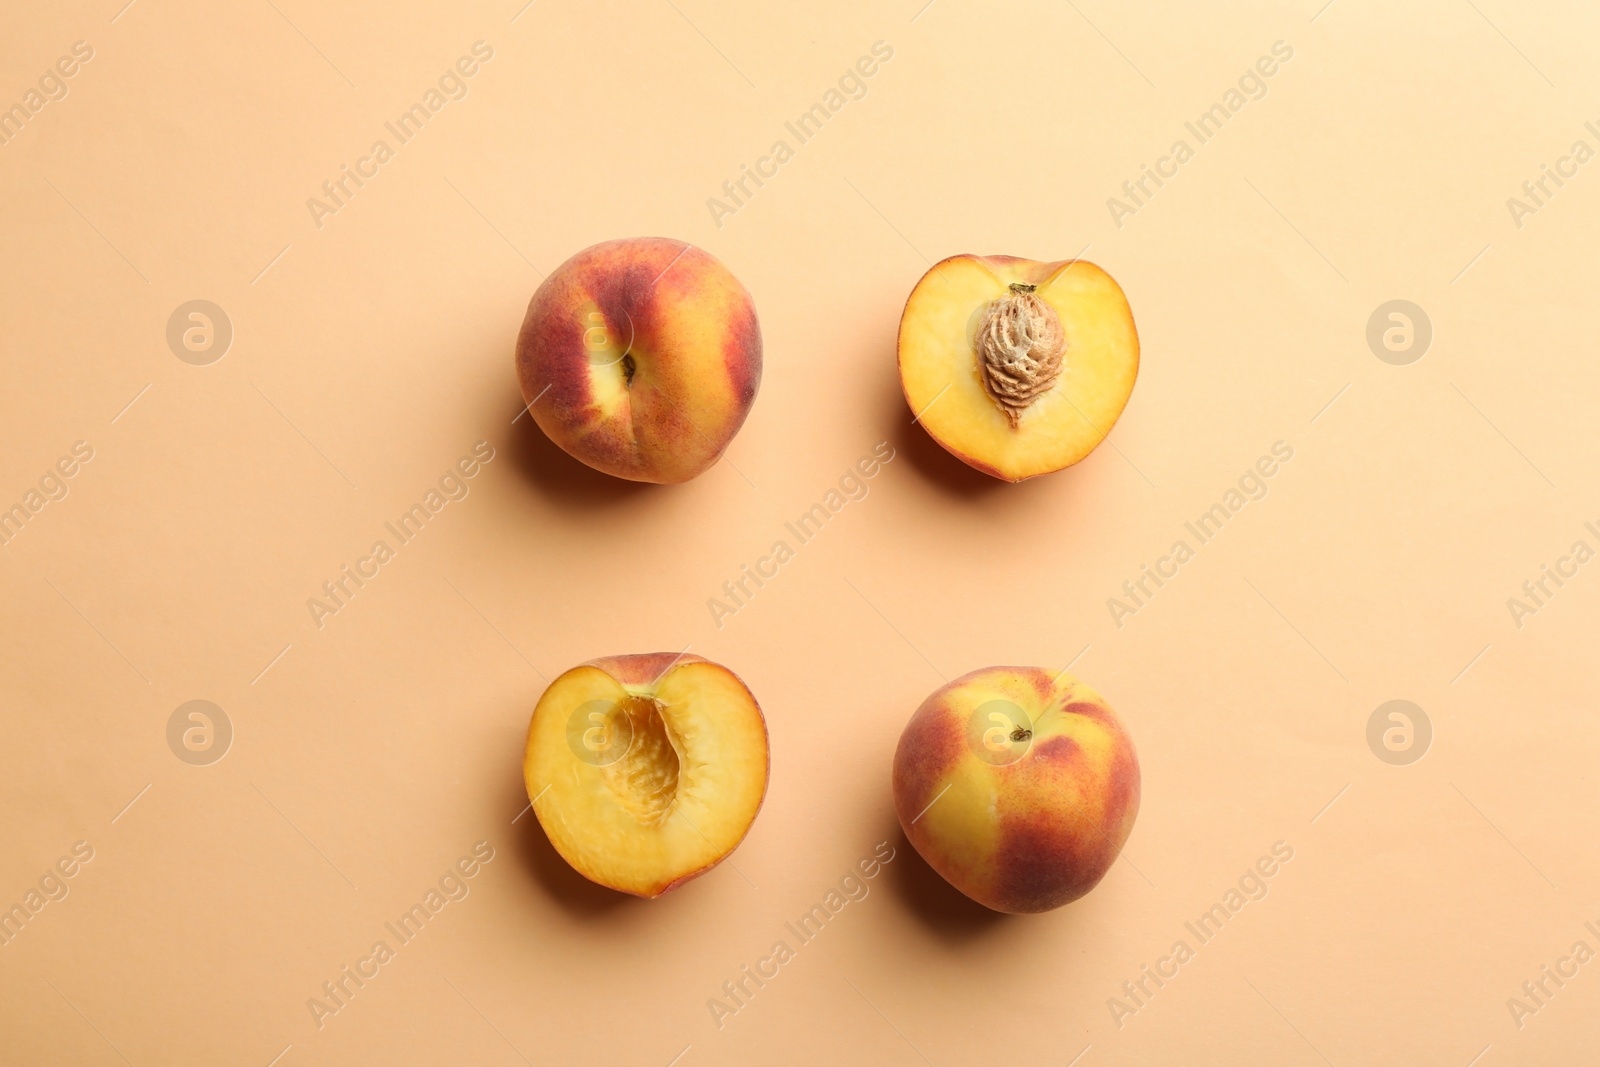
(1018, 785)
(641, 357)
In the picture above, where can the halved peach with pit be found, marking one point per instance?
(1018, 368)
(646, 770)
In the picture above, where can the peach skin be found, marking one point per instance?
(647, 770)
(641, 357)
(1018, 785)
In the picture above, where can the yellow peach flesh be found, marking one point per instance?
(943, 385)
(643, 783)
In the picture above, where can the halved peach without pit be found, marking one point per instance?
(646, 770)
(1018, 368)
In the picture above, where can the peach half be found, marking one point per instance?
(646, 770)
(1018, 785)
(1017, 368)
(641, 357)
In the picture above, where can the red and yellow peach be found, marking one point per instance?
(641, 357)
(1018, 785)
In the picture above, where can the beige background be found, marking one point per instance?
(373, 351)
